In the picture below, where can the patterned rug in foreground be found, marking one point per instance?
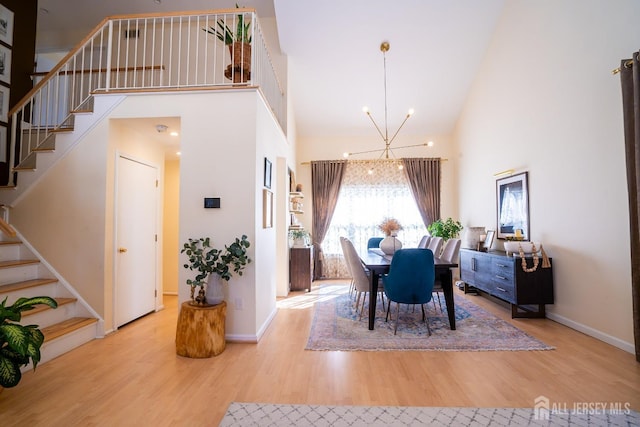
(336, 326)
(256, 414)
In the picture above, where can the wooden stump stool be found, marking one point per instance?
(200, 331)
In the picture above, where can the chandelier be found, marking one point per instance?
(384, 152)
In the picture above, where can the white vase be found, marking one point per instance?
(390, 244)
(215, 290)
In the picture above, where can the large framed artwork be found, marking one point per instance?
(5, 64)
(513, 207)
(6, 25)
(4, 103)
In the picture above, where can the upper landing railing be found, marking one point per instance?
(158, 52)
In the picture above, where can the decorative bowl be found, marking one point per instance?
(513, 247)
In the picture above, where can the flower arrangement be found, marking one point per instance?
(390, 226)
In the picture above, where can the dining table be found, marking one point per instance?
(378, 263)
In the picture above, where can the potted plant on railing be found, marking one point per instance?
(213, 265)
(19, 344)
(239, 42)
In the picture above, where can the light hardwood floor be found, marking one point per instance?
(133, 377)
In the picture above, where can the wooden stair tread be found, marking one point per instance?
(59, 329)
(17, 262)
(10, 287)
(10, 242)
(42, 307)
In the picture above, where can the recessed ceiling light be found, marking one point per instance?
(178, 153)
(174, 133)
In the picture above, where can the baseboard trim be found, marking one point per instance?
(252, 338)
(587, 330)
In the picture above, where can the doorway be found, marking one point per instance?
(136, 240)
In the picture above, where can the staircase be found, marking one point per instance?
(23, 275)
(53, 144)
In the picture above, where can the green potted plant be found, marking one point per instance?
(212, 263)
(446, 229)
(19, 344)
(300, 237)
(239, 42)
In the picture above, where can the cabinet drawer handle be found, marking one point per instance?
(501, 277)
(473, 264)
(501, 265)
(501, 289)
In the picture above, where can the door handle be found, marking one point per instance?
(122, 250)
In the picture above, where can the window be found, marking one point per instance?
(365, 199)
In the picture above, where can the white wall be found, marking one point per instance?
(225, 136)
(545, 101)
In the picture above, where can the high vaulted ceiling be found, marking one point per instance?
(334, 58)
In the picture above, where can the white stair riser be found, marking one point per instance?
(49, 290)
(9, 252)
(50, 317)
(68, 342)
(18, 273)
(15, 251)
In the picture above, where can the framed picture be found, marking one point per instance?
(267, 173)
(3, 144)
(488, 241)
(4, 104)
(5, 64)
(267, 208)
(6, 25)
(512, 197)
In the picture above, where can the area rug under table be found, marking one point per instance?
(266, 414)
(337, 326)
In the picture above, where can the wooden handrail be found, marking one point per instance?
(7, 229)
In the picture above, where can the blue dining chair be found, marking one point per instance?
(374, 242)
(410, 280)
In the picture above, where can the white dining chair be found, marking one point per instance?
(435, 244)
(424, 242)
(449, 254)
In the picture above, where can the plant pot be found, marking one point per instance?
(390, 244)
(240, 69)
(215, 290)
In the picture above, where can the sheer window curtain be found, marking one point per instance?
(424, 179)
(630, 80)
(326, 179)
(365, 200)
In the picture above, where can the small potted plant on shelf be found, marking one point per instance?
(19, 344)
(239, 42)
(212, 266)
(300, 237)
(448, 229)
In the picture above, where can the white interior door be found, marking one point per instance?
(136, 225)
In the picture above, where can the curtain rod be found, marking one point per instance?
(374, 160)
(627, 64)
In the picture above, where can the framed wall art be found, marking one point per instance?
(5, 64)
(267, 208)
(267, 173)
(6, 25)
(513, 206)
(3, 144)
(4, 104)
